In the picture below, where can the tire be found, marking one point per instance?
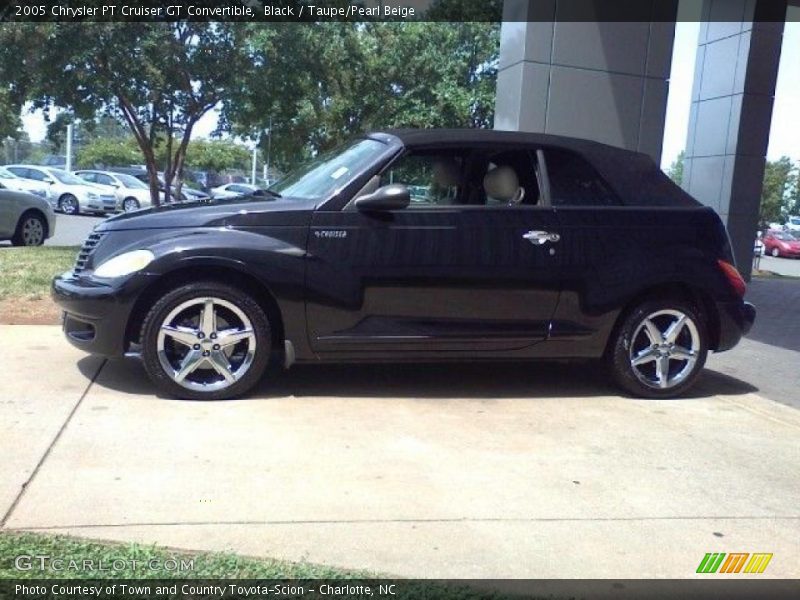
(68, 204)
(775, 252)
(31, 230)
(199, 347)
(662, 372)
(130, 204)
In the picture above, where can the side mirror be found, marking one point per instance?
(394, 196)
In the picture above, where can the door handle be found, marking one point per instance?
(541, 237)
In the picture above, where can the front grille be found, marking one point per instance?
(86, 251)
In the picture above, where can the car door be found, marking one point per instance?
(454, 271)
(8, 212)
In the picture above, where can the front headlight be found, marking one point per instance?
(125, 264)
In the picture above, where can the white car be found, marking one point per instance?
(67, 193)
(231, 190)
(25, 219)
(131, 192)
(793, 223)
(15, 183)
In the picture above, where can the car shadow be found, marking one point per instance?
(484, 380)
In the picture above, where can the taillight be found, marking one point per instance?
(733, 276)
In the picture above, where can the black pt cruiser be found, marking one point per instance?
(418, 245)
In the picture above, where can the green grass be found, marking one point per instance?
(26, 273)
(205, 566)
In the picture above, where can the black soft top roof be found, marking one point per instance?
(635, 177)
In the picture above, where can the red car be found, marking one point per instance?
(781, 243)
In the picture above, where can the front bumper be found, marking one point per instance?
(95, 313)
(735, 320)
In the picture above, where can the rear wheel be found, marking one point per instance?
(31, 231)
(69, 205)
(660, 349)
(206, 341)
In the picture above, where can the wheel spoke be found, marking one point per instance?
(230, 337)
(645, 356)
(192, 360)
(681, 353)
(662, 371)
(671, 334)
(185, 335)
(221, 365)
(652, 332)
(208, 318)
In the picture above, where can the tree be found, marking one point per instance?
(109, 152)
(675, 171)
(217, 155)
(339, 79)
(159, 78)
(9, 116)
(780, 181)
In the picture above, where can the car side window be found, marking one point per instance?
(103, 179)
(87, 176)
(501, 178)
(432, 179)
(575, 182)
(19, 171)
(37, 175)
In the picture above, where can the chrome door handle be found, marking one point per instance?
(541, 237)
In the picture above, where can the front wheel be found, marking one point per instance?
(660, 349)
(130, 204)
(206, 341)
(776, 253)
(69, 205)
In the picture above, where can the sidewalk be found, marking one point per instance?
(526, 471)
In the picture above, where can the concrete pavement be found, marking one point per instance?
(72, 230)
(421, 471)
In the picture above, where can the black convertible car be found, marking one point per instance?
(418, 245)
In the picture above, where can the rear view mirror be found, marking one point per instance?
(390, 197)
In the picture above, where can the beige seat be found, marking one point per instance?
(502, 185)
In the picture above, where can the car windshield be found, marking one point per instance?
(329, 171)
(65, 177)
(129, 181)
(6, 174)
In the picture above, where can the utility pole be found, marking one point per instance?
(255, 164)
(68, 166)
(269, 147)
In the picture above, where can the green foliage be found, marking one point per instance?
(217, 155)
(28, 272)
(109, 152)
(779, 191)
(321, 83)
(675, 171)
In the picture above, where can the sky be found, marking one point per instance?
(784, 135)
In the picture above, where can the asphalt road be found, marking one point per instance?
(72, 230)
(781, 266)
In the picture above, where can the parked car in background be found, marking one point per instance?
(131, 192)
(231, 190)
(25, 219)
(526, 246)
(793, 224)
(781, 243)
(193, 195)
(68, 193)
(15, 183)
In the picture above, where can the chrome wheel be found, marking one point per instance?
(664, 349)
(32, 232)
(206, 344)
(130, 204)
(776, 253)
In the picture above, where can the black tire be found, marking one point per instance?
(69, 205)
(177, 297)
(31, 230)
(130, 204)
(623, 346)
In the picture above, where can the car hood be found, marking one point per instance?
(243, 211)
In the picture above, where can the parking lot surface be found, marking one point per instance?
(72, 230)
(495, 471)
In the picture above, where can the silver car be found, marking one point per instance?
(25, 219)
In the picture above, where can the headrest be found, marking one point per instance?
(501, 184)
(446, 173)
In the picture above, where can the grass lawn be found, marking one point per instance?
(25, 273)
(205, 566)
